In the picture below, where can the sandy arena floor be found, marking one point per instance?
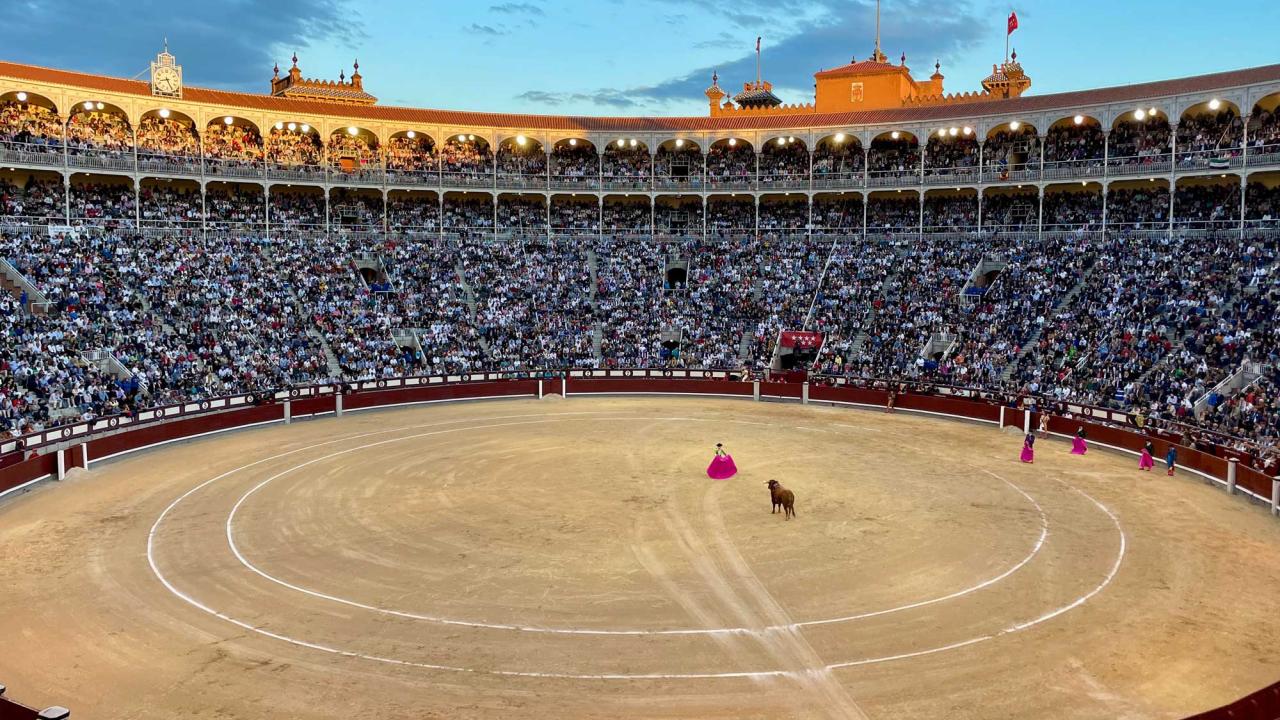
(570, 559)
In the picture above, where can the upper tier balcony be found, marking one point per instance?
(52, 156)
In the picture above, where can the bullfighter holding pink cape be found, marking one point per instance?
(721, 467)
(1028, 449)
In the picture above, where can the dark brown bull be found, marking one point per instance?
(782, 498)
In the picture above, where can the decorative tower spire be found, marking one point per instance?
(275, 70)
(714, 94)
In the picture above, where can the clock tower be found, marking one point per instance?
(166, 75)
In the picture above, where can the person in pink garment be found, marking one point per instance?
(1147, 459)
(1078, 446)
(1028, 449)
(721, 467)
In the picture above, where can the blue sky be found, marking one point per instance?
(629, 57)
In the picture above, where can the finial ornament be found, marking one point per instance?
(356, 65)
(1014, 56)
(275, 70)
(295, 58)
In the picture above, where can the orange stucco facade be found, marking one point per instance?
(875, 84)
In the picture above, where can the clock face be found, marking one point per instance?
(166, 79)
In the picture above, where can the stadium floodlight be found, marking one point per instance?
(791, 138)
(968, 131)
(782, 141)
(1140, 114)
(955, 131)
(942, 132)
(679, 142)
(352, 130)
(733, 141)
(411, 134)
(293, 127)
(634, 142)
(1214, 104)
(228, 120)
(1079, 119)
(895, 134)
(573, 142)
(1015, 125)
(22, 97)
(164, 112)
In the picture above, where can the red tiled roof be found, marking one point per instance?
(864, 67)
(1011, 107)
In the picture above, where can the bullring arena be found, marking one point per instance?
(315, 406)
(569, 558)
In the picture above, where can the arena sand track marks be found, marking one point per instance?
(707, 630)
(801, 663)
(889, 517)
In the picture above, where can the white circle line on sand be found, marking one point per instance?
(239, 555)
(1111, 575)
(1044, 534)
(595, 676)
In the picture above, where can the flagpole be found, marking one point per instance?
(757, 62)
(1006, 37)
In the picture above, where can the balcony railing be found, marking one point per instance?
(32, 154)
(783, 181)
(1263, 155)
(893, 178)
(168, 164)
(951, 175)
(1153, 164)
(523, 181)
(82, 159)
(843, 179)
(229, 168)
(731, 181)
(585, 183)
(467, 178)
(673, 182)
(37, 155)
(1215, 159)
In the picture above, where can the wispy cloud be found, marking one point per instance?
(605, 98)
(478, 29)
(518, 8)
(230, 44)
(830, 34)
